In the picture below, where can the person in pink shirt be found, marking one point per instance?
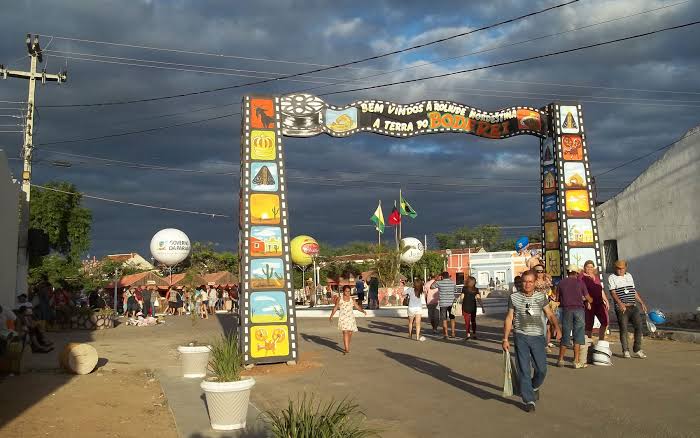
(431, 300)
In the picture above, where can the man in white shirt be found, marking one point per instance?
(625, 296)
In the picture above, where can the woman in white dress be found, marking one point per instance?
(346, 318)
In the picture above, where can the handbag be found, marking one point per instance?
(405, 301)
(456, 305)
(507, 375)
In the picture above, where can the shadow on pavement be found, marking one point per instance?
(480, 389)
(319, 340)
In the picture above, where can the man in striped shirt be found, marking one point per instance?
(625, 295)
(446, 296)
(525, 311)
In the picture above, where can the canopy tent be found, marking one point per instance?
(144, 279)
(221, 279)
(179, 280)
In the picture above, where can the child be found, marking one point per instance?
(346, 318)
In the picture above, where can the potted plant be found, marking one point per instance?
(227, 392)
(195, 358)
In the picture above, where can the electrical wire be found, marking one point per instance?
(178, 64)
(634, 160)
(318, 70)
(516, 61)
(141, 131)
(623, 100)
(133, 204)
(493, 48)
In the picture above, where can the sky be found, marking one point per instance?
(637, 96)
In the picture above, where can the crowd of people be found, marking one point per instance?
(201, 301)
(570, 309)
(539, 312)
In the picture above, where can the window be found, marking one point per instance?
(610, 249)
(459, 278)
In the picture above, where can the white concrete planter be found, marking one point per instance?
(194, 360)
(227, 402)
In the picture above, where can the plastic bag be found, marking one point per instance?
(507, 375)
(650, 325)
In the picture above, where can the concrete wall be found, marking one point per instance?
(9, 226)
(655, 223)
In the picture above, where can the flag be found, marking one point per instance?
(406, 209)
(395, 217)
(378, 219)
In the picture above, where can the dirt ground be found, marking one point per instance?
(106, 403)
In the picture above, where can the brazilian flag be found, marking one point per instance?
(406, 209)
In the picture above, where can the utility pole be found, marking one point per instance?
(35, 54)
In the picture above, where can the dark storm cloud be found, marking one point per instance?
(334, 184)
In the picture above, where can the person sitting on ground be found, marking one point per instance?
(7, 327)
(26, 326)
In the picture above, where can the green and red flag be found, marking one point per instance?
(395, 216)
(378, 218)
(406, 209)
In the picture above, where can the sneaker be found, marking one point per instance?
(530, 407)
(579, 365)
(640, 354)
(422, 338)
(560, 363)
(627, 355)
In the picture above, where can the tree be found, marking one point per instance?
(57, 270)
(60, 215)
(486, 236)
(432, 261)
(205, 259)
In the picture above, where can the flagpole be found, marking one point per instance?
(400, 199)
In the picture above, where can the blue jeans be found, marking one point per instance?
(573, 320)
(531, 354)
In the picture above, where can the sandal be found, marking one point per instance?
(579, 365)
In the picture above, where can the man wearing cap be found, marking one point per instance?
(572, 295)
(625, 296)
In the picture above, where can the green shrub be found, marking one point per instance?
(226, 359)
(310, 419)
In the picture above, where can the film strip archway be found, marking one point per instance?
(268, 326)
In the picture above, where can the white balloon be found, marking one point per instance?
(170, 246)
(412, 250)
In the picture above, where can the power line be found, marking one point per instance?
(133, 204)
(515, 61)
(318, 70)
(177, 64)
(192, 52)
(490, 49)
(634, 160)
(140, 131)
(653, 102)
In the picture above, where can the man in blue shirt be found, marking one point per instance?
(360, 288)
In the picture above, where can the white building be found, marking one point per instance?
(9, 228)
(653, 224)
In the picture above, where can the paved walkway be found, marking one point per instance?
(434, 388)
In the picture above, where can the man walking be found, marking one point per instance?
(525, 310)
(572, 294)
(360, 290)
(625, 295)
(431, 300)
(446, 296)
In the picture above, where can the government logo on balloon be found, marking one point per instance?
(170, 246)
